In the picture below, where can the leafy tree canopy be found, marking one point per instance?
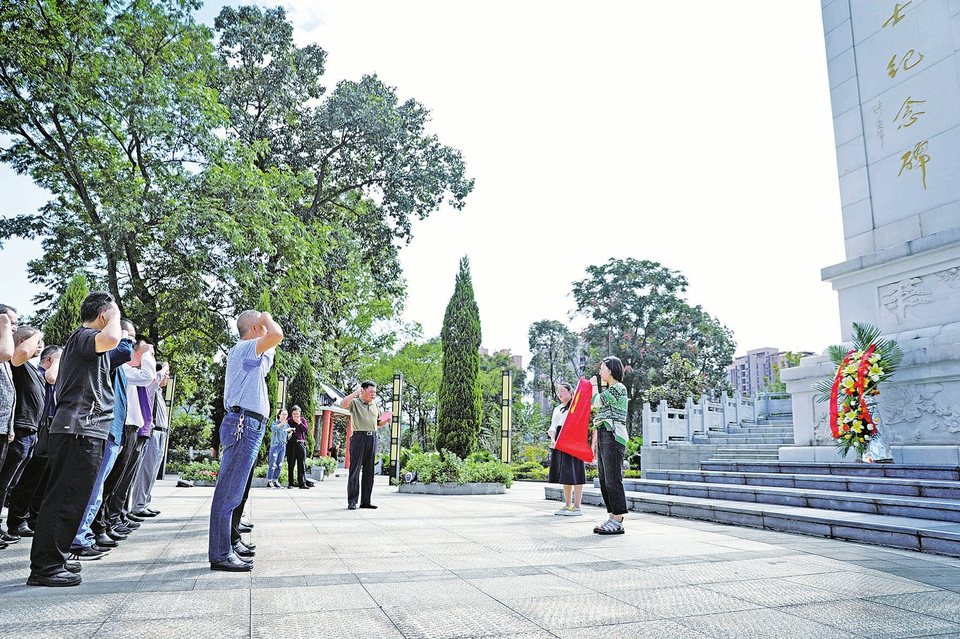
(636, 311)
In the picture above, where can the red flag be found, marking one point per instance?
(574, 433)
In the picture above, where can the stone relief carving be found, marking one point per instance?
(950, 277)
(899, 296)
(907, 403)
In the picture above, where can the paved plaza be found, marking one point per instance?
(478, 566)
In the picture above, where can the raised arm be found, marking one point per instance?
(272, 336)
(109, 336)
(6, 338)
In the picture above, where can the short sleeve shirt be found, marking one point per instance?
(29, 382)
(8, 396)
(364, 415)
(245, 384)
(85, 395)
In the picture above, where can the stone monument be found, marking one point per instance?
(894, 70)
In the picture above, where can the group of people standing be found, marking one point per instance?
(609, 444)
(288, 438)
(83, 434)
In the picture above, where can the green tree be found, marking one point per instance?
(459, 415)
(679, 379)
(554, 356)
(66, 315)
(788, 359)
(303, 393)
(421, 366)
(637, 312)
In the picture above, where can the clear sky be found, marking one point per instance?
(694, 133)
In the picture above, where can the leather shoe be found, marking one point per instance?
(248, 524)
(246, 545)
(73, 566)
(231, 564)
(114, 535)
(153, 513)
(103, 549)
(368, 506)
(24, 530)
(244, 529)
(243, 551)
(351, 506)
(134, 517)
(3, 544)
(60, 578)
(248, 560)
(145, 513)
(105, 541)
(9, 538)
(132, 525)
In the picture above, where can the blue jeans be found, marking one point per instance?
(277, 451)
(240, 447)
(85, 536)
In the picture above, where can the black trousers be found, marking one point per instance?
(74, 462)
(610, 470)
(363, 453)
(27, 496)
(111, 484)
(296, 453)
(19, 452)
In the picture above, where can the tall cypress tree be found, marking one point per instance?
(460, 399)
(66, 317)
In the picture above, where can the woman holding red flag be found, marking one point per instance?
(565, 469)
(610, 444)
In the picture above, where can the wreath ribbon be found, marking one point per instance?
(834, 412)
(861, 380)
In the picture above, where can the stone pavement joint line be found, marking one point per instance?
(478, 566)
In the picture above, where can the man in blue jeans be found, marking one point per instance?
(241, 431)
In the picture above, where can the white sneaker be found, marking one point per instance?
(574, 512)
(564, 511)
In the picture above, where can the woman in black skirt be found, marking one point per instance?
(565, 469)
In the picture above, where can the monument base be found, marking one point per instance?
(919, 455)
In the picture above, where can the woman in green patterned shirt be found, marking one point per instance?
(610, 444)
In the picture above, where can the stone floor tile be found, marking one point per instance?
(427, 593)
(76, 607)
(185, 605)
(940, 604)
(679, 601)
(51, 631)
(762, 623)
(371, 623)
(866, 583)
(206, 625)
(311, 599)
(659, 629)
(576, 611)
(448, 622)
(870, 619)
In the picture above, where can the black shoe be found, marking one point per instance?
(24, 530)
(132, 525)
(9, 538)
(289, 486)
(104, 541)
(246, 560)
(231, 564)
(103, 549)
(73, 566)
(3, 544)
(351, 506)
(134, 517)
(244, 529)
(86, 553)
(248, 524)
(61, 578)
(114, 535)
(145, 513)
(368, 506)
(243, 551)
(153, 513)
(304, 487)
(122, 530)
(247, 546)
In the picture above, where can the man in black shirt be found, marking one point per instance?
(77, 438)
(29, 384)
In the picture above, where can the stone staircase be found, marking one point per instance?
(902, 506)
(759, 442)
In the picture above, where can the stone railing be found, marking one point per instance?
(683, 424)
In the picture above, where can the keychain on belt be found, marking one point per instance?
(240, 427)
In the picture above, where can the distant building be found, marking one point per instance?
(750, 373)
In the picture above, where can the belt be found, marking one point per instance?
(363, 432)
(160, 428)
(244, 411)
